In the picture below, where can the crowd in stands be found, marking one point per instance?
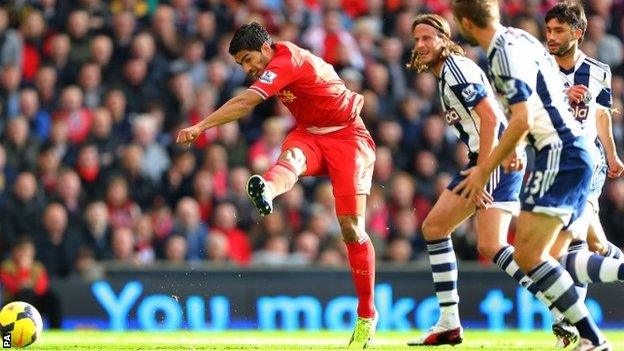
(92, 96)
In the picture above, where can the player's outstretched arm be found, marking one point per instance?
(233, 109)
(605, 134)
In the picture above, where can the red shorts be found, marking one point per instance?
(346, 155)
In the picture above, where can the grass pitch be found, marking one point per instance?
(255, 340)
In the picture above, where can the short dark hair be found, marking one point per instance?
(569, 13)
(249, 37)
(480, 12)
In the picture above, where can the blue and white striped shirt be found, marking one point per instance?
(462, 85)
(523, 70)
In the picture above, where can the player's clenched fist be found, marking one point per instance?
(188, 135)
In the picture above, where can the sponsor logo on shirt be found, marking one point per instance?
(267, 77)
(287, 96)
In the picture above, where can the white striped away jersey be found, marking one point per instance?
(462, 86)
(522, 70)
(596, 76)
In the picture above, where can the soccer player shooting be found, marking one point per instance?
(330, 139)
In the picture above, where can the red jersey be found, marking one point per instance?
(309, 87)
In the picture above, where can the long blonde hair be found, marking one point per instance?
(444, 32)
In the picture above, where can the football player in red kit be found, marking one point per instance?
(330, 139)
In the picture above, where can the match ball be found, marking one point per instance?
(22, 322)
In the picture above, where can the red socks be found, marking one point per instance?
(362, 262)
(282, 177)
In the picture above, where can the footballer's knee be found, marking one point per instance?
(295, 157)
(433, 231)
(349, 228)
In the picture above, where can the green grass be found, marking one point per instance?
(254, 340)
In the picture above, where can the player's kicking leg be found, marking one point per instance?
(446, 215)
(277, 180)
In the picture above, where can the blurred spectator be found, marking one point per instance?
(144, 240)
(188, 224)
(135, 85)
(57, 243)
(217, 247)
(155, 158)
(21, 147)
(266, 150)
(192, 61)
(165, 32)
(25, 279)
(90, 172)
(122, 210)
(69, 194)
(78, 30)
(22, 211)
(122, 244)
(228, 135)
(609, 46)
(107, 143)
(10, 79)
(399, 250)
(32, 28)
(123, 28)
(144, 47)
(237, 195)
(86, 266)
(45, 84)
(38, 119)
(176, 249)
(116, 103)
(203, 192)
(73, 111)
(238, 242)
(141, 188)
(101, 53)
(96, 235)
(204, 105)
(306, 249)
(215, 162)
(12, 45)
(273, 252)
(59, 59)
(177, 181)
(331, 40)
(90, 81)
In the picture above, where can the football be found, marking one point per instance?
(20, 324)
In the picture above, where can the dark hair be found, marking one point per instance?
(480, 12)
(249, 37)
(569, 13)
(443, 31)
(22, 241)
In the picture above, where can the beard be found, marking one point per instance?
(563, 50)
